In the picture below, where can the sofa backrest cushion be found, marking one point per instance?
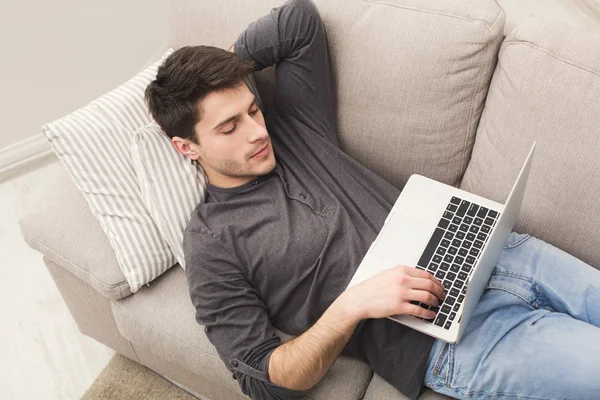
(546, 88)
(412, 75)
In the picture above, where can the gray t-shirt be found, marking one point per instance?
(277, 251)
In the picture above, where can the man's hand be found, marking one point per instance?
(391, 291)
(231, 48)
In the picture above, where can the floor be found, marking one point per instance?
(39, 341)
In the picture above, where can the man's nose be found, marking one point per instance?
(257, 131)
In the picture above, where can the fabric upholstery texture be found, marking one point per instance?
(93, 144)
(63, 228)
(546, 89)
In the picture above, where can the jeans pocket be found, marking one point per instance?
(440, 369)
(516, 239)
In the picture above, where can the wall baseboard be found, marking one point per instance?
(24, 156)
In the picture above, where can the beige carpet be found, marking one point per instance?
(124, 379)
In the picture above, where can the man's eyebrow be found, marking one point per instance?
(236, 116)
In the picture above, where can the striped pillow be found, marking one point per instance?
(93, 143)
(172, 184)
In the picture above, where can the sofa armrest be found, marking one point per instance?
(63, 228)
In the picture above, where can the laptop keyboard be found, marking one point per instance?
(452, 251)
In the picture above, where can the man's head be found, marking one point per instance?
(200, 100)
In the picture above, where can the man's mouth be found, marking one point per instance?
(262, 152)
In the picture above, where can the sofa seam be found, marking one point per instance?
(551, 54)
(464, 161)
(124, 313)
(487, 25)
(74, 266)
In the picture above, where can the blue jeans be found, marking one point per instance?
(535, 333)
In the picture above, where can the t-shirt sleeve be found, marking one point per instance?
(235, 319)
(293, 37)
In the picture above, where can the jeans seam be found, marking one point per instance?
(518, 242)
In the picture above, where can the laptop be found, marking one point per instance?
(455, 235)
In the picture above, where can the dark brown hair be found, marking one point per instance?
(186, 77)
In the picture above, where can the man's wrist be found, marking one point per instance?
(347, 308)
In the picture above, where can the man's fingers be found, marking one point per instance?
(419, 273)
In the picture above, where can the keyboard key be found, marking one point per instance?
(443, 223)
(478, 221)
(473, 252)
(448, 325)
(454, 292)
(456, 243)
(464, 227)
(455, 200)
(482, 212)
(415, 302)
(462, 252)
(437, 259)
(466, 244)
(461, 298)
(458, 284)
(440, 320)
(432, 268)
(466, 268)
(452, 316)
(449, 300)
(435, 309)
(451, 276)
(451, 207)
(462, 275)
(474, 229)
(446, 309)
(478, 243)
(456, 307)
(430, 248)
(453, 228)
(481, 236)
(485, 229)
(471, 260)
(489, 221)
(445, 243)
(493, 213)
(459, 260)
(452, 250)
(472, 210)
(444, 266)
(456, 220)
(448, 235)
(448, 258)
(447, 284)
(441, 251)
(448, 214)
(440, 274)
(462, 209)
(468, 220)
(455, 268)
(460, 235)
(470, 236)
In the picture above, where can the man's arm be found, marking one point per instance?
(292, 36)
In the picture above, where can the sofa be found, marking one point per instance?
(427, 87)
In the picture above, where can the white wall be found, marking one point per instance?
(59, 55)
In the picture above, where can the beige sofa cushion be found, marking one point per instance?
(161, 319)
(546, 88)
(412, 75)
(62, 227)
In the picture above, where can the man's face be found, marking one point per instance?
(230, 134)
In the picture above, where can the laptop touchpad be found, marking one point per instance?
(401, 243)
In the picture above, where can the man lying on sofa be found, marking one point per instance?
(288, 217)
